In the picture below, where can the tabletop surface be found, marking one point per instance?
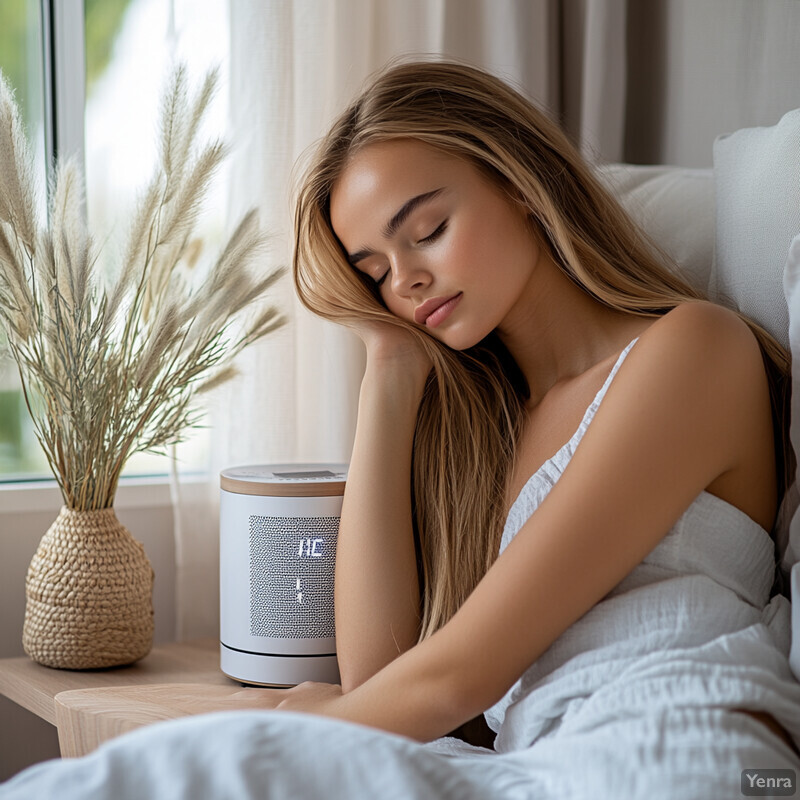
(34, 687)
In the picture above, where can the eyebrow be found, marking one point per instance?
(396, 221)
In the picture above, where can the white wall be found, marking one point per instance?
(26, 511)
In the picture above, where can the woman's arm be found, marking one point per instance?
(376, 587)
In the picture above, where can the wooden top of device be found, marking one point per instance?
(286, 480)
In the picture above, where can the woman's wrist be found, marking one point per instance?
(397, 379)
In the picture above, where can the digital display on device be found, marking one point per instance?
(310, 548)
(324, 473)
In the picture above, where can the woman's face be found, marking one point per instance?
(433, 233)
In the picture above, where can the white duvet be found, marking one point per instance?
(677, 754)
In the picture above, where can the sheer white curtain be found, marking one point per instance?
(294, 65)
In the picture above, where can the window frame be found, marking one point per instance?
(64, 70)
(28, 496)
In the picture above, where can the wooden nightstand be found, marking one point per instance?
(90, 706)
(174, 680)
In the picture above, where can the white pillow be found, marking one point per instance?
(675, 206)
(757, 180)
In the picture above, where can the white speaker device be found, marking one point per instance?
(278, 529)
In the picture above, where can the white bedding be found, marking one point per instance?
(669, 754)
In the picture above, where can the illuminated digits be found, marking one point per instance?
(310, 546)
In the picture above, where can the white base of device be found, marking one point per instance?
(263, 669)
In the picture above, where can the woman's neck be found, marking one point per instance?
(556, 331)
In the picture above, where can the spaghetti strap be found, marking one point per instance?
(595, 404)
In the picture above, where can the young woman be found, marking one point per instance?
(566, 469)
(499, 288)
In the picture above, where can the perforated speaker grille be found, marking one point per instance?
(292, 561)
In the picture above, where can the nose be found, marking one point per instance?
(408, 276)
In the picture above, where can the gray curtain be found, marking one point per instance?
(700, 68)
(656, 81)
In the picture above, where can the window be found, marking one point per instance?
(21, 59)
(88, 76)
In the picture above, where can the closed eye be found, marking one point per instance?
(435, 235)
(429, 239)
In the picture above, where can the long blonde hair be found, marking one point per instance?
(472, 411)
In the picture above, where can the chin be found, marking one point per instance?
(460, 340)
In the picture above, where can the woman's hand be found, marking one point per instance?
(390, 346)
(310, 697)
(314, 698)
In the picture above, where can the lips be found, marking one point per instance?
(424, 311)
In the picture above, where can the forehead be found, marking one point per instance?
(382, 176)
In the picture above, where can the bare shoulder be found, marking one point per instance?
(709, 347)
(708, 355)
(704, 346)
(704, 327)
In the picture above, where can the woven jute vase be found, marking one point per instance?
(89, 594)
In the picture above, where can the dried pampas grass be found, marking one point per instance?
(109, 372)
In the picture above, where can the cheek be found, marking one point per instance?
(471, 262)
(400, 308)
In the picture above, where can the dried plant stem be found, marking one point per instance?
(109, 373)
